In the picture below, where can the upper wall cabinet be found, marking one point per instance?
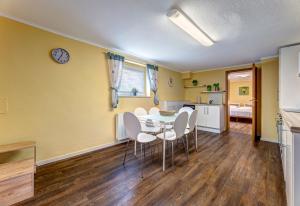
(289, 80)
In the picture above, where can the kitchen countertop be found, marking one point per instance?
(292, 119)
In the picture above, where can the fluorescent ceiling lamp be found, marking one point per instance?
(188, 26)
(243, 75)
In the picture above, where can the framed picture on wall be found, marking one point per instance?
(243, 91)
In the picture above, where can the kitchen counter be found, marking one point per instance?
(292, 120)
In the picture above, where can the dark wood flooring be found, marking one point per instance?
(227, 170)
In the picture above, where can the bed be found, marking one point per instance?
(240, 112)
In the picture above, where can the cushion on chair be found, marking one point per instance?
(145, 138)
(170, 135)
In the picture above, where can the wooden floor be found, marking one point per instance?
(227, 170)
(239, 127)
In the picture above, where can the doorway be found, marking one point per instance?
(242, 101)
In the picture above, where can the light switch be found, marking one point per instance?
(3, 105)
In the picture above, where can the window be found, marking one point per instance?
(134, 82)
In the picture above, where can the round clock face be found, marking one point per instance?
(60, 55)
(171, 82)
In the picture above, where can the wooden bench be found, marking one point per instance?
(17, 177)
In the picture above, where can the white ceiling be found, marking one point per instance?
(244, 30)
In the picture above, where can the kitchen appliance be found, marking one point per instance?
(189, 105)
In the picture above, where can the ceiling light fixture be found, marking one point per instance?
(243, 75)
(189, 26)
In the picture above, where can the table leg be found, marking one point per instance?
(164, 149)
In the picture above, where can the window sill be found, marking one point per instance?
(134, 96)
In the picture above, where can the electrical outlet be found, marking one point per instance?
(3, 105)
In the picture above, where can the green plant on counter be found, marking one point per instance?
(217, 86)
(208, 87)
(195, 82)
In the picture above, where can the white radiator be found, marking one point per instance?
(120, 129)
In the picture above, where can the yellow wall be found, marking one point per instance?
(234, 96)
(64, 108)
(208, 77)
(269, 95)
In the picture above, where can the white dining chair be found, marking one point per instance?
(176, 133)
(154, 111)
(146, 126)
(140, 111)
(192, 129)
(133, 132)
(189, 110)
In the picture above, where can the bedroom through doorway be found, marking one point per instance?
(240, 100)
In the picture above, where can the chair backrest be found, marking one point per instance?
(186, 109)
(180, 124)
(154, 110)
(140, 111)
(193, 120)
(132, 125)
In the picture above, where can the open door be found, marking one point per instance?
(255, 100)
(254, 104)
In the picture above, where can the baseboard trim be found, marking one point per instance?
(269, 140)
(77, 153)
(208, 129)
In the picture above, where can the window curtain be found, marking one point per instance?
(152, 72)
(115, 66)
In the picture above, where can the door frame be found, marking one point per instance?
(255, 93)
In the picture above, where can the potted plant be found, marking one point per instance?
(217, 86)
(134, 91)
(195, 82)
(208, 87)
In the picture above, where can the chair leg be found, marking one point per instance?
(182, 139)
(145, 151)
(151, 151)
(196, 139)
(172, 153)
(125, 153)
(134, 147)
(187, 146)
(142, 159)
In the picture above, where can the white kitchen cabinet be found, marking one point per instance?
(210, 118)
(201, 119)
(289, 80)
(213, 117)
(290, 156)
(283, 151)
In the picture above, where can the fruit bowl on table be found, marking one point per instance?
(167, 113)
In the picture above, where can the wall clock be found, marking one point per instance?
(60, 55)
(171, 82)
